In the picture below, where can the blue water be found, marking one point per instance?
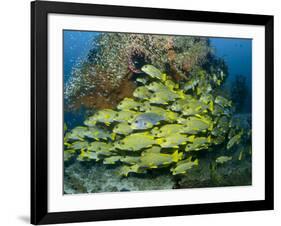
(237, 53)
(76, 47)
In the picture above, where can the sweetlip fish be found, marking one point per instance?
(194, 108)
(194, 125)
(157, 87)
(223, 159)
(198, 143)
(111, 160)
(78, 145)
(144, 107)
(234, 140)
(171, 85)
(126, 170)
(223, 102)
(130, 160)
(154, 160)
(174, 140)
(87, 155)
(190, 84)
(183, 166)
(77, 133)
(142, 93)
(135, 142)
(142, 80)
(167, 130)
(146, 121)
(179, 104)
(154, 149)
(122, 128)
(208, 99)
(163, 97)
(153, 72)
(169, 116)
(101, 148)
(105, 116)
(68, 154)
(128, 104)
(124, 116)
(97, 133)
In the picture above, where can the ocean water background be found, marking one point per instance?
(237, 54)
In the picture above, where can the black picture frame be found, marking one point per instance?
(39, 112)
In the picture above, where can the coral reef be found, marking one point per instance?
(81, 177)
(106, 77)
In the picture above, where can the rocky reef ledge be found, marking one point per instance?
(85, 177)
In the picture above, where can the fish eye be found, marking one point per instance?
(137, 121)
(129, 123)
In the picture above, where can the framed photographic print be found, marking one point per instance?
(145, 112)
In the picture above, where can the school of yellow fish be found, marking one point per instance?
(163, 126)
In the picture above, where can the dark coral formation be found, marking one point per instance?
(106, 77)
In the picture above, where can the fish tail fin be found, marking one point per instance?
(211, 106)
(191, 138)
(211, 127)
(113, 136)
(180, 155)
(67, 144)
(164, 77)
(175, 156)
(82, 154)
(189, 158)
(181, 94)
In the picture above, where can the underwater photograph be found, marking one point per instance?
(155, 112)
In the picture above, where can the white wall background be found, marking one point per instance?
(15, 113)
